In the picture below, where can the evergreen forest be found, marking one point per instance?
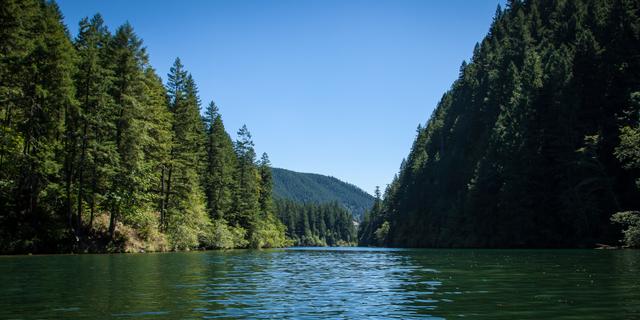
(313, 224)
(320, 189)
(98, 154)
(536, 144)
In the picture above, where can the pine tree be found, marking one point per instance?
(246, 191)
(266, 185)
(93, 80)
(372, 221)
(176, 92)
(184, 195)
(221, 162)
(126, 197)
(37, 107)
(158, 139)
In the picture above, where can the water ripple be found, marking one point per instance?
(329, 283)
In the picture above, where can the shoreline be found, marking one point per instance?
(315, 247)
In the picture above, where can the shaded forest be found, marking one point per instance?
(537, 144)
(98, 154)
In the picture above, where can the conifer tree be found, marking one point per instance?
(221, 163)
(246, 191)
(125, 198)
(176, 94)
(184, 195)
(157, 144)
(93, 80)
(266, 185)
(38, 104)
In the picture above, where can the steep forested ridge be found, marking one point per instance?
(535, 144)
(96, 153)
(316, 188)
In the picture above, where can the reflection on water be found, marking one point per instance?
(334, 283)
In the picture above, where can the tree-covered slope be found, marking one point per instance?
(98, 154)
(533, 145)
(316, 188)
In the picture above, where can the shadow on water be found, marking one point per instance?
(325, 282)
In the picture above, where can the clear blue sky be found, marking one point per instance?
(325, 86)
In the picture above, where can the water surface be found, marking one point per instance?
(335, 283)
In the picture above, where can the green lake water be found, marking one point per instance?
(332, 283)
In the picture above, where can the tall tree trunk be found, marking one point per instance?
(6, 124)
(166, 200)
(68, 204)
(94, 183)
(112, 224)
(94, 178)
(70, 157)
(162, 198)
(83, 154)
(27, 169)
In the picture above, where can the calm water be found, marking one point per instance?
(324, 283)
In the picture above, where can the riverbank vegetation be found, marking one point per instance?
(537, 142)
(312, 224)
(98, 154)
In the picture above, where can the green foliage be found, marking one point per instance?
(535, 144)
(37, 107)
(381, 233)
(268, 233)
(223, 236)
(375, 218)
(94, 123)
(315, 188)
(631, 221)
(188, 224)
(221, 163)
(266, 184)
(184, 196)
(98, 155)
(247, 189)
(628, 150)
(628, 153)
(311, 224)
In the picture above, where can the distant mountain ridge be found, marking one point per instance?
(317, 188)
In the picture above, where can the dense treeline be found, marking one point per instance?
(373, 229)
(316, 188)
(97, 153)
(312, 224)
(536, 143)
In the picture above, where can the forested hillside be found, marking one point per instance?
(537, 142)
(311, 224)
(97, 154)
(316, 188)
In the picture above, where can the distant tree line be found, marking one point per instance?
(312, 224)
(537, 144)
(311, 187)
(96, 153)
